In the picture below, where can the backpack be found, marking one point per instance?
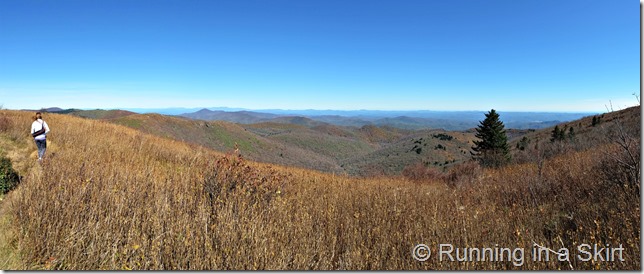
(41, 131)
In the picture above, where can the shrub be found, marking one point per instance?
(8, 177)
(232, 177)
(463, 173)
(621, 165)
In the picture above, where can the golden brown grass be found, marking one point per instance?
(113, 198)
(9, 256)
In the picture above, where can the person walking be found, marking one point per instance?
(39, 130)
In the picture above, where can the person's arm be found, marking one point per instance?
(33, 128)
(46, 127)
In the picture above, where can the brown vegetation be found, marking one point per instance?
(114, 198)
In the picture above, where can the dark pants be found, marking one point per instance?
(42, 147)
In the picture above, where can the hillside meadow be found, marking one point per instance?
(111, 197)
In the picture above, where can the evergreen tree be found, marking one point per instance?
(596, 120)
(492, 148)
(555, 134)
(523, 144)
(558, 134)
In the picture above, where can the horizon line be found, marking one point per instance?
(237, 109)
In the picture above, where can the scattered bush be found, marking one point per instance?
(443, 136)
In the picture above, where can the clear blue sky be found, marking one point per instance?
(514, 55)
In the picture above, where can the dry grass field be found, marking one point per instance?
(111, 197)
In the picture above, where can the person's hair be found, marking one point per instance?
(38, 116)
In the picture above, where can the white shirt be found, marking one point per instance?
(36, 126)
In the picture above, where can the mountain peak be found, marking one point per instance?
(204, 110)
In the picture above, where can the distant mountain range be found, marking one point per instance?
(409, 120)
(242, 117)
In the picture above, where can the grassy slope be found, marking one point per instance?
(116, 198)
(330, 141)
(584, 129)
(586, 136)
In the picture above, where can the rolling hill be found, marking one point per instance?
(98, 113)
(222, 136)
(303, 142)
(91, 114)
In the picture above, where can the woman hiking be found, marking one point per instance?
(39, 130)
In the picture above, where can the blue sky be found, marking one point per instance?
(549, 55)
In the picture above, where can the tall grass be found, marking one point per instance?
(113, 198)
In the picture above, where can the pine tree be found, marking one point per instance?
(554, 136)
(558, 134)
(492, 148)
(562, 134)
(523, 143)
